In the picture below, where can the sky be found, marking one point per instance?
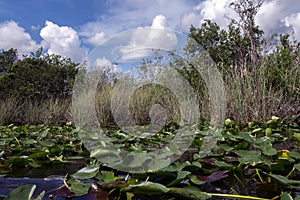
(73, 28)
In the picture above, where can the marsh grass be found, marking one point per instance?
(19, 110)
(253, 97)
(249, 97)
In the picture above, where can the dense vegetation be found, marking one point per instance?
(257, 153)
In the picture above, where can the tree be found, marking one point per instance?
(262, 75)
(7, 59)
(38, 76)
(239, 47)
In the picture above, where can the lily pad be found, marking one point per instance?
(23, 192)
(267, 149)
(252, 157)
(148, 188)
(87, 172)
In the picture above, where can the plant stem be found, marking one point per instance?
(260, 178)
(290, 173)
(234, 196)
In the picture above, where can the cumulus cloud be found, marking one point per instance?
(62, 40)
(14, 36)
(96, 39)
(294, 22)
(123, 15)
(275, 16)
(105, 65)
(157, 36)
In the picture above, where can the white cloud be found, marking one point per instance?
(123, 15)
(159, 21)
(14, 36)
(157, 36)
(275, 16)
(294, 21)
(97, 39)
(215, 10)
(62, 40)
(106, 66)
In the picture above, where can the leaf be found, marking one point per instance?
(196, 164)
(23, 192)
(197, 192)
(286, 196)
(267, 149)
(134, 160)
(47, 142)
(297, 166)
(252, 157)
(86, 172)
(196, 180)
(224, 165)
(43, 133)
(157, 164)
(29, 141)
(106, 176)
(77, 187)
(180, 176)
(297, 136)
(176, 166)
(268, 132)
(189, 192)
(257, 130)
(214, 176)
(147, 188)
(105, 155)
(295, 155)
(226, 147)
(33, 164)
(40, 196)
(247, 136)
(284, 180)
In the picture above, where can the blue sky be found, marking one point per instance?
(73, 28)
(34, 13)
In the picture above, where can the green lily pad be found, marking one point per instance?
(267, 149)
(226, 147)
(23, 192)
(223, 165)
(86, 172)
(284, 180)
(29, 141)
(295, 155)
(194, 179)
(286, 196)
(252, 157)
(147, 188)
(106, 176)
(189, 192)
(47, 142)
(134, 160)
(297, 166)
(77, 187)
(247, 136)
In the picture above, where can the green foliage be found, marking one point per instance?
(261, 76)
(7, 59)
(23, 192)
(244, 160)
(34, 146)
(36, 76)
